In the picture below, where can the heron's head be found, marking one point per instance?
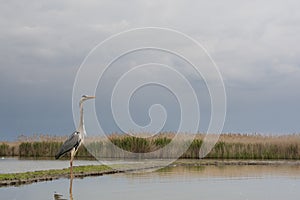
(85, 97)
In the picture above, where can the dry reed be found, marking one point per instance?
(229, 146)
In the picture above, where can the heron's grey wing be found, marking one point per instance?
(72, 142)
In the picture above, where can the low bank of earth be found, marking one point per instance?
(16, 179)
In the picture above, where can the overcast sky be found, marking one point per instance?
(254, 43)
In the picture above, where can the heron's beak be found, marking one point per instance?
(91, 97)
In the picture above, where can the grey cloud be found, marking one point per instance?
(255, 45)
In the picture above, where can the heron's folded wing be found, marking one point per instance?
(72, 142)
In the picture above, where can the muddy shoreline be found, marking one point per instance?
(18, 182)
(216, 162)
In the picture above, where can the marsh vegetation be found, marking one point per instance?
(229, 146)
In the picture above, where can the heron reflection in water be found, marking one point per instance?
(60, 197)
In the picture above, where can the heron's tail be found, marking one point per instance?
(58, 155)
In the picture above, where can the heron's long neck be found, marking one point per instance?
(81, 128)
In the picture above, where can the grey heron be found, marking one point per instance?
(76, 139)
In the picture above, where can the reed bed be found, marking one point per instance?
(229, 146)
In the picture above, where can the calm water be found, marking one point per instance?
(176, 182)
(13, 165)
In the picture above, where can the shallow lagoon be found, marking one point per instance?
(175, 182)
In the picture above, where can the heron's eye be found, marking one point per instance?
(84, 96)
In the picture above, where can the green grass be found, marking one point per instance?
(53, 172)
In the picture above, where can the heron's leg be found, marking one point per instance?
(71, 186)
(71, 168)
(71, 163)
